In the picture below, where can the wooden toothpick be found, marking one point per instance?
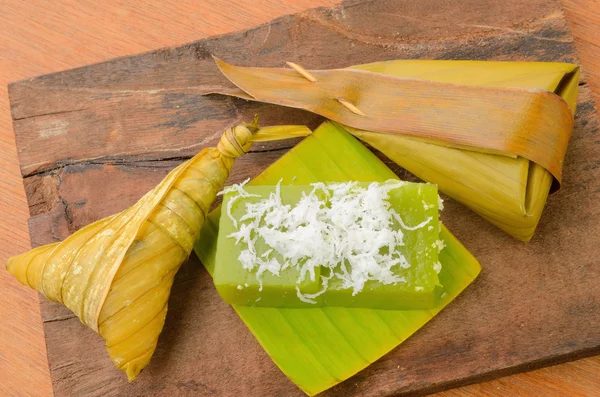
(302, 71)
(350, 106)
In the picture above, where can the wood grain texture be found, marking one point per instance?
(584, 20)
(37, 46)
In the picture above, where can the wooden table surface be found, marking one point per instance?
(38, 37)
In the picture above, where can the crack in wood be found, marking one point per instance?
(60, 318)
(133, 162)
(198, 89)
(50, 114)
(64, 365)
(68, 215)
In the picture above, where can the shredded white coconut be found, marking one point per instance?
(440, 245)
(309, 298)
(345, 227)
(403, 225)
(239, 188)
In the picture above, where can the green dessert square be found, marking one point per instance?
(405, 278)
(239, 286)
(415, 203)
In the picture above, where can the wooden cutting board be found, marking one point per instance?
(92, 140)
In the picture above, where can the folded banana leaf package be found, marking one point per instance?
(491, 135)
(318, 348)
(116, 273)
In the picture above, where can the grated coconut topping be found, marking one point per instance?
(344, 227)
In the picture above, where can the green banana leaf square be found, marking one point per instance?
(318, 348)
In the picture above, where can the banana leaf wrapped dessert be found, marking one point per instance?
(320, 347)
(116, 274)
(491, 135)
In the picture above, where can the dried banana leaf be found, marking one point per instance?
(492, 135)
(320, 347)
(116, 274)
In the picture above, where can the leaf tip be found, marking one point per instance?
(221, 64)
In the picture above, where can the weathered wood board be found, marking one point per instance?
(92, 140)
